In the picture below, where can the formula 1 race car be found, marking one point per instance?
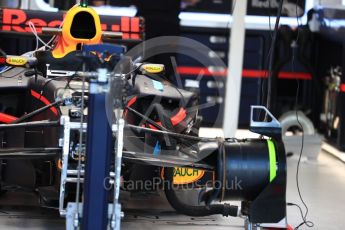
(83, 120)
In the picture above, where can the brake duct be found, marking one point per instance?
(252, 171)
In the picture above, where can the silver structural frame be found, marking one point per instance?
(116, 211)
(65, 121)
(234, 78)
(71, 210)
(69, 175)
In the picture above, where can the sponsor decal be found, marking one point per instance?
(184, 175)
(153, 68)
(17, 20)
(16, 61)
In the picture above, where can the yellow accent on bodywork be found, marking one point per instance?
(186, 175)
(67, 43)
(273, 159)
(16, 60)
(153, 68)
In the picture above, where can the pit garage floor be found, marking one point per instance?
(322, 185)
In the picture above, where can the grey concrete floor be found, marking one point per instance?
(323, 188)
(322, 185)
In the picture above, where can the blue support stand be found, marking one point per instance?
(98, 157)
